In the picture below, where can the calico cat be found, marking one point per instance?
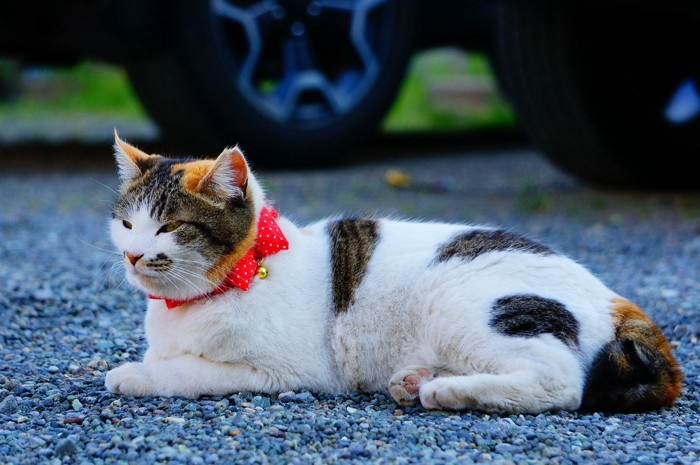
(453, 316)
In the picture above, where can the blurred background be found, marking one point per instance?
(606, 90)
(446, 90)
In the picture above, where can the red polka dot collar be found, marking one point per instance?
(269, 241)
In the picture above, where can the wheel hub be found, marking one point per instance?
(302, 61)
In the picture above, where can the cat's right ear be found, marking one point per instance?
(228, 175)
(131, 161)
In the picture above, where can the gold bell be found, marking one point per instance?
(262, 272)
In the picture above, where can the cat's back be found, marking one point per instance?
(395, 264)
(401, 252)
(389, 250)
(401, 262)
(382, 267)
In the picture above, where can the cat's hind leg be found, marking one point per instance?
(516, 392)
(530, 377)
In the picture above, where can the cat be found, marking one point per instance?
(451, 316)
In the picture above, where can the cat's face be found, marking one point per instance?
(180, 224)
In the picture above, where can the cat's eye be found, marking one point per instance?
(126, 224)
(169, 227)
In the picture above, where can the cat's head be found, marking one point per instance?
(181, 224)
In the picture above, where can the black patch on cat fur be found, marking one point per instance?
(530, 315)
(626, 376)
(471, 244)
(352, 242)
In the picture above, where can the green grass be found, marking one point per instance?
(417, 110)
(86, 88)
(94, 88)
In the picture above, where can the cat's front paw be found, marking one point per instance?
(130, 379)
(405, 385)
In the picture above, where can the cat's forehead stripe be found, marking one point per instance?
(191, 172)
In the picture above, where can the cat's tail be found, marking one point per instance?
(635, 371)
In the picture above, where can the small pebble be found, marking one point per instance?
(261, 401)
(66, 446)
(175, 420)
(73, 420)
(9, 405)
(43, 294)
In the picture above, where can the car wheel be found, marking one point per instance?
(293, 82)
(596, 87)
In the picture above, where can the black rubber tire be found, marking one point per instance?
(589, 82)
(190, 91)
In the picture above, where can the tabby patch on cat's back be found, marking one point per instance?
(448, 316)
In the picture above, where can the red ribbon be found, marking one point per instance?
(269, 240)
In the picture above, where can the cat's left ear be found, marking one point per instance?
(131, 161)
(228, 176)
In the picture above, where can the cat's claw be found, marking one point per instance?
(130, 379)
(405, 385)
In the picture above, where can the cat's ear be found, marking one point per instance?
(228, 175)
(131, 161)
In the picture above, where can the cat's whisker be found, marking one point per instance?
(111, 254)
(186, 260)
(181, 276)
(200, 266)
(200, 273)
(93, 246)
(120, 284)
(106, 186)
(105, 275)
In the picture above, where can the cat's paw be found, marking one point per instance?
(130, 379)
(447, 393)
(406, 384)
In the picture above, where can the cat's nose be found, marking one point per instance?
(133, 258)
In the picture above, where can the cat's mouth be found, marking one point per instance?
(146, 279)
(161, 278)
(147, 275)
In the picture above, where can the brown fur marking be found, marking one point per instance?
(137, 156)
(220, 270)
(632, 323)
(352, 242)
(239, 166)
(192, 173)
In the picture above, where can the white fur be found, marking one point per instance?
(126, 167)
(408, 312)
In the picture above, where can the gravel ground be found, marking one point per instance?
(68, 317)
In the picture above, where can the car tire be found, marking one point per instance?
(590, 84)
(293, 86)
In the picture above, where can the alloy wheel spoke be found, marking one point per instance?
(248, 18)
(358, 36)
(302, 76)
(348, 5)
(304, 90)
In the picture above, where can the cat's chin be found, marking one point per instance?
(157, 285)
(152, 285)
